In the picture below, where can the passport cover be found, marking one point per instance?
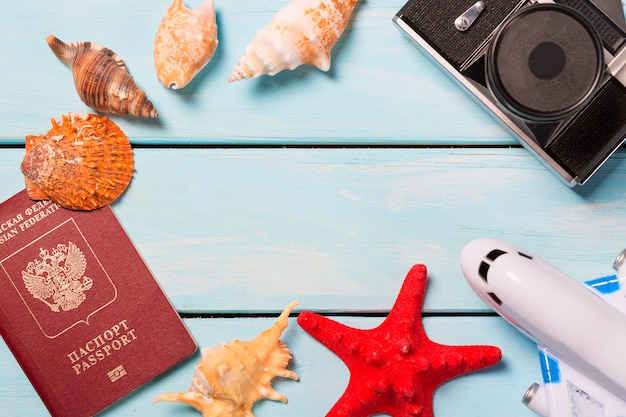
(79, 309)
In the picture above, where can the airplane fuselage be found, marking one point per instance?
(551, 308)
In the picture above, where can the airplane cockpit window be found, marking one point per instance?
(494, 254)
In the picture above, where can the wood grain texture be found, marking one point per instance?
(230, 230)
(380, 89)
(237, 230)
(492, 392)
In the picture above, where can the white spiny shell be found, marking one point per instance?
(303, 32)
(184, 43)
(231, 377)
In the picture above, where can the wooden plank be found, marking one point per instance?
(238, 230)
(380, 89)
(246, 230)
(323, 377)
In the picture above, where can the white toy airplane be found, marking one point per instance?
(580, 330)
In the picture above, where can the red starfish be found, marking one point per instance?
(395, 368)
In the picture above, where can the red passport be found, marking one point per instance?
(79, 309)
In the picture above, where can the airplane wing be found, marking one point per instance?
(612, 288)
(568, 393)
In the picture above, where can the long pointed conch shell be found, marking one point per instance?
(231, 377)
(184, 43)
(101, 78)
(303, 32)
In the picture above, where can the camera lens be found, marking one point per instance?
(545, 62)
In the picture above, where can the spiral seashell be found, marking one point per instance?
(101, 78)
(231, 377)
(303, 32)
(83, 162)
(184, 43)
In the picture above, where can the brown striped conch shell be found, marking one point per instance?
(184, 43)
(303, 32)
(101, 78)
(84, 162)
(231, 377)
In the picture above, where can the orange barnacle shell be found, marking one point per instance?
(83, 163)
(101, 78)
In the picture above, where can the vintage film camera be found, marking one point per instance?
(550, 71)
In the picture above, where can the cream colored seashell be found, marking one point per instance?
(231, 377)
(303, 32)
(184, 43)
(101, 78)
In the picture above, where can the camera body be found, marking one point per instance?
(552, 72)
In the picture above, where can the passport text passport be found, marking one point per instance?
(79, 309)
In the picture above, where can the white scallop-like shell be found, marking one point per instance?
(303, 32)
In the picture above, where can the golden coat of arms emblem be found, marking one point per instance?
(58, 277)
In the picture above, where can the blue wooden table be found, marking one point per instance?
(319, 187)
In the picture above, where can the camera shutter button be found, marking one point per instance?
(463, 22)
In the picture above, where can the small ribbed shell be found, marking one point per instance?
(231, 377)
(83, 162)
(303, 32)
(101, 78)
(184, 43)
